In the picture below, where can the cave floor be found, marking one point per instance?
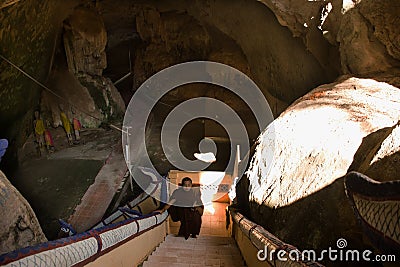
(55, 183)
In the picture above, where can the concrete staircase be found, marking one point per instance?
(196, 252)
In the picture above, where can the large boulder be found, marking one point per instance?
(299, 195)
(19, 226)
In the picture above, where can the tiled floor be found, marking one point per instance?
(99, 195)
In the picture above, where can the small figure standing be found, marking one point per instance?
(66, 124)
(48, 139)
(38, 125)
(77, 126)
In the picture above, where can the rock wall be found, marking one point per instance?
(368, 41)
(321, 39)
(82, 88)
(351, 124)
(28, 40)
(34, 43)
(19, 226)
(175, 37)
(279, 63)
(85, 40)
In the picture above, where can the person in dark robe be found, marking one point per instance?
(185, 205)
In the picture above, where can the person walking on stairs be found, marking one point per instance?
(185, 205)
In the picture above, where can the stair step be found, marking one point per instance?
(194, 252)
(169, 264)
(202, 247)
(162, 264)
(236, 257)
(206, 249)
(200, 241)
(191, 243)
(156, 258)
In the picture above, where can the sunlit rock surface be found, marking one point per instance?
(314, 143)
(19, 226)
(366, 32)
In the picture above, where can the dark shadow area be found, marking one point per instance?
(316, 222)
(198, 128)
(385, 169)
(368, 148)
(54, 188)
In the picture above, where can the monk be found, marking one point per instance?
(185, 205)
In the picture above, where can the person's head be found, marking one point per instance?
(186, 183)
(36, 114)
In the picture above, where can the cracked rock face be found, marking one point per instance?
(19, 226)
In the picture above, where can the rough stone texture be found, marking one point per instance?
(85, 41)
(360, 51)
(177, 31)
(83, 88)
(312, 145)
(70, 89)
(19, 226)
(384, 26)
(33, 42)
(172, 38)
(379, 154)
(28, 40)
(94, 99)
(368, 41)
(331, 37)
